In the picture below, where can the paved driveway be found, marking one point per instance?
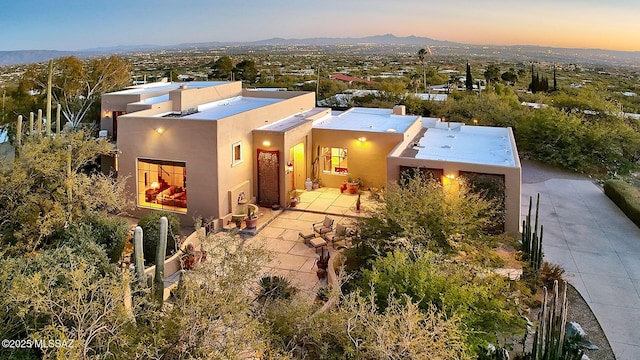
(599, 247)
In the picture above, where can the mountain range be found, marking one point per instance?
(519, 52)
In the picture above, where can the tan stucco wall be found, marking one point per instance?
(185, 141)
(190, 97)
(240, 128)
(366, 160)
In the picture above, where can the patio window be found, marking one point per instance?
(162, 184)
(334, 161)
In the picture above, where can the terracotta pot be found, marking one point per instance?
(251, 223)
(353, 187)
(321, 273)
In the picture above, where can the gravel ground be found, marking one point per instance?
(579, 311)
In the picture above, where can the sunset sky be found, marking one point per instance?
(82, 24)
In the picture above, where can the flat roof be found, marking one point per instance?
(165, 86)
(367, 119)
(290, 122)
(467, 144)
(152, 100)
(227, 107)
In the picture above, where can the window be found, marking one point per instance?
(162, 184)
(236, 150)
(334, 161)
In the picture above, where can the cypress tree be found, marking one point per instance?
(555, 81)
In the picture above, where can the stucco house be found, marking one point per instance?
(201, 148)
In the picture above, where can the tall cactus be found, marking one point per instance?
(549, 339)
(58, 119)
(532, 239)
(39, 123)
(19, 133)
(48, 119)
(161, 250)
(31, 123)
(138, 252)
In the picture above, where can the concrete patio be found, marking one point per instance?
(291, 257)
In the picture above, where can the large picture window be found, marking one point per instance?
(162, 184)
(334, 161)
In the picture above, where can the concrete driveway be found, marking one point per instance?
(599, 247)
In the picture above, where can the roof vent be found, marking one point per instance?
(446, 146)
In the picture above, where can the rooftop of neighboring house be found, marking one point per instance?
(468, 144)
(348, 78)
(366, 119)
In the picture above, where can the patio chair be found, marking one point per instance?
(323, 227)
(339, 235)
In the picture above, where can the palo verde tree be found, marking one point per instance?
(78, 84)
(48, 187)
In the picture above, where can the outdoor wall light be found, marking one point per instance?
(362, 139)
(266, 143)
(451, 176)
(289, 167)
(159, 130)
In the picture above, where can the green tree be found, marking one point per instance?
(78, 84)
(246, 70)
(222, 68)
(66, 293)
(47, 188)
(492, 73)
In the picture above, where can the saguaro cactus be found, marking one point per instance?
(549, 341)
(19, 132)
(39, 123)
(31, 123)
(532, 240)
(138, 252)
(161, 250)
(58, 119)
(48, 119)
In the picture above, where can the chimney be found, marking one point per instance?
(399, 110)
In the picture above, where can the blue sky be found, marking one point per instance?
(76, 24)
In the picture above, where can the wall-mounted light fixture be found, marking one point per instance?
(289, 167)
(266, 143)
(362, 139)
(451, 176)
(159, 130)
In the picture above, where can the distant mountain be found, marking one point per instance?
(388, 39)
(522, 53)
(31, 56)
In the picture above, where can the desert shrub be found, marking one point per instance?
(485, 303)
(110, 232)
(150, 225)
(422, 212)
(276, 287)
(550, 273)
(626, 196)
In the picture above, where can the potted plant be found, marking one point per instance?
(252, 219)
(315, 185)
(323, 261)
(353, 185)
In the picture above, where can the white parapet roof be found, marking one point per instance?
(367, 119)
(467, 144)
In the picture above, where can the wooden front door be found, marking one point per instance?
(268, 177)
